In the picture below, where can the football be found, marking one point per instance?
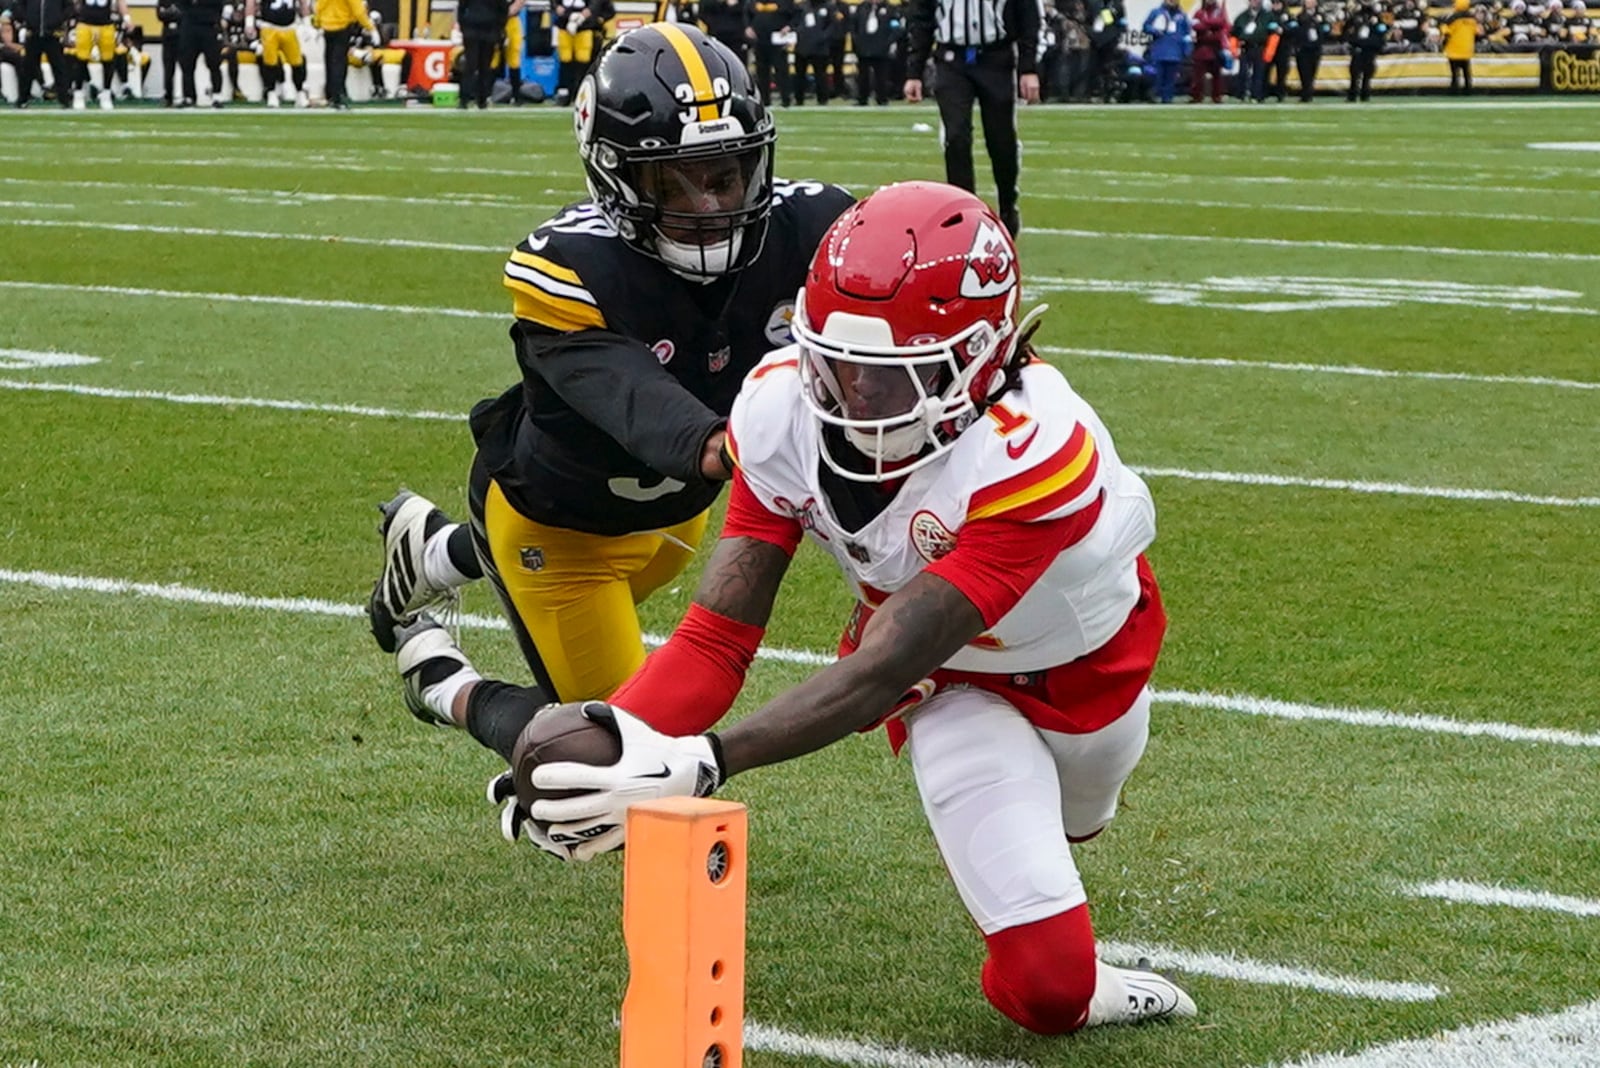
(559, 733)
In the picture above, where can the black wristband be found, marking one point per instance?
(716, 753)
(725, 456)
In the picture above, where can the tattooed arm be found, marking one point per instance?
(917, 629)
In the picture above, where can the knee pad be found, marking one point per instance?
(1042, 975)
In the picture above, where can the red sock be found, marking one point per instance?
(1042, 974)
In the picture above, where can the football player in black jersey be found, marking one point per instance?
(638, 312)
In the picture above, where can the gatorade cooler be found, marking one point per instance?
(446, 94)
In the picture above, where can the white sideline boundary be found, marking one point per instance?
(1242, 969)
(767, 1039)
(1256, 706)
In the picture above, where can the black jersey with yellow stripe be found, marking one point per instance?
(628, 368)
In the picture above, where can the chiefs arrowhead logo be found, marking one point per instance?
(991, 269)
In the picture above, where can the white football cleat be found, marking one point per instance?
(1134, 995)
(302, 99)
(105, 100)
(273, 100)
(403, 589)
(427, 655)
(80, 100)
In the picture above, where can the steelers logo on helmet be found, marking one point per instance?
(583, 115)
(678, 150)
(907, 327)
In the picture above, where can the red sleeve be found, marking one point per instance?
(749, 518)
(996, 561)
(690, 682)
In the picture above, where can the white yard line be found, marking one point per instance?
(1464, 893)
(255, 298)
(1242, 969)
(1448, 493)
(226, 402)
(1567, 1039)
(1256, 706)
(1307, 243)
(767, 1039)
(1381, 718)
(1318, 368)
(286, 234)
(1316, 209)
(280, 197)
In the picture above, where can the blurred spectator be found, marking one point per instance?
(580, 30)
(838, 37)
(1406, 33)
(871, 32)
(729, 22)
(1306, 33)
(1578, 24)
(1251, 29)
(1075, 51)
(1106, 30)
(773, 22)
(1210, 24)
(339, 20)
(43, 22)
(1556, 30)
(95, 37)
(1168, 29)
(1460, 41)
(274, 26)
(1365, 30)
(1275, 57)
(10, 48)
(234, 41)
(812, 23)
(1521, 26)
(169, 14)
(481, 25)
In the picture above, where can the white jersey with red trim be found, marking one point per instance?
(1040, 453)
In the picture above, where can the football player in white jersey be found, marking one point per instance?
(1006, 621)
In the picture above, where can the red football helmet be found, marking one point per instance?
(907, 325)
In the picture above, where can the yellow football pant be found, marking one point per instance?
(85, 38)
(280, 44)
(574, 593)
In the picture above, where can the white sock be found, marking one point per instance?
(442, 695)
(437, 568)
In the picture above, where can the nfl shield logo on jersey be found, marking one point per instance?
(932, 539)
(532, 558)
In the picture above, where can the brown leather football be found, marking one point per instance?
(559, 733)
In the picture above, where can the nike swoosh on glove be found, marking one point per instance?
(652, 765)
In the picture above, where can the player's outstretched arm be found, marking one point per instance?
(917, 629)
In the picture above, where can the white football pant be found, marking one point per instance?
(1002, 796)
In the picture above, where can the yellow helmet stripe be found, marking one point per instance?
(693, 66)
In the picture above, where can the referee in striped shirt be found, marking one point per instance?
(983, 50)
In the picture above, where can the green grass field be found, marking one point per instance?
(1353, 350)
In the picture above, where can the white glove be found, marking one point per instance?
(455, 35)
(514, 821)
(652, 766)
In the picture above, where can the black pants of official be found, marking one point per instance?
(1461, 76)
(872, 77)
(1307, 60)
(196, 39)
(477, 65)
(836, 85)
(1362, 65)
(817, 66)
(772, 64)
(169, 66)
(336, 61)
(990, 80)
(1278, 73)
(48, 46)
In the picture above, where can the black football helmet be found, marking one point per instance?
(677, 149)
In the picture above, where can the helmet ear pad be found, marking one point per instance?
(667, 94)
